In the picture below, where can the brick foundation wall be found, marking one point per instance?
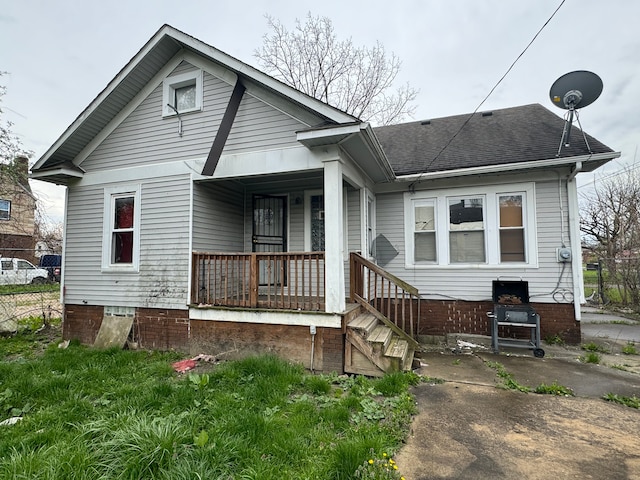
(162, 329)
(442, 317)
(82, 322)
(236, 340)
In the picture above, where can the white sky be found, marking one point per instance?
(61, 54)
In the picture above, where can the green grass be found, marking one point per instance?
(114, 414)
(590, 357)
(554, 389)
(508, 382)
(630, 349)
(594, 347)
(633, 402)
(45, 287)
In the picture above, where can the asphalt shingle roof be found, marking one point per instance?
(511, 135)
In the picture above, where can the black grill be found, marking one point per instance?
(511, 310)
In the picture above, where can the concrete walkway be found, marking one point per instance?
(600, 324)
(473, 427)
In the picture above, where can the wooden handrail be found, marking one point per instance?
(395, 300)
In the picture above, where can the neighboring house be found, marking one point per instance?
(17, 210)
(222, 210)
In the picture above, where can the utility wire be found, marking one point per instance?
(412, 185)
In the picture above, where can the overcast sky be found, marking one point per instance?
(60, 54)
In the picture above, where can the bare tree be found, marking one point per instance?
(10, 145)
(357, 80)
(610, 223)
(17, 202)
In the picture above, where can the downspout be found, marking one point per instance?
(574, 239)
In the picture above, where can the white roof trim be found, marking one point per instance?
(213, 54)
(508, 167)
(62, 170)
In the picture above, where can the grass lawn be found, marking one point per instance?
(114, 414)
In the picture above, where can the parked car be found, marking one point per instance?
(18, 271)
(53, 265)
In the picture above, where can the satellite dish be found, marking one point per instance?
(576, 90)
(572, 91)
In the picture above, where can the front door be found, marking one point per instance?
(269, 233)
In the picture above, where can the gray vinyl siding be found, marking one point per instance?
(145, 136)
(218, 218)
(164, 248)
(476, 283)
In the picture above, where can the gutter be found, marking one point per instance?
(509, 167)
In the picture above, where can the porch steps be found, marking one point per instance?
(374, 349)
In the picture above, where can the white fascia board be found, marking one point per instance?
(293, 159)
(250, 72)
(376, 150)
(509, 167)
(305, 319)
(57, 171)
(102, 96)
(338, 130)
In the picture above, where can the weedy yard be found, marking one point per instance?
(114, 414)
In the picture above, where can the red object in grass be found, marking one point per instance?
(184, 365)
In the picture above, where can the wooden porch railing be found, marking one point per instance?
(392, 297)
(288, 280)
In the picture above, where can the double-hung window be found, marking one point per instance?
(424, 231)
(512, 228)
(480, 226)
(466, 230)
(121, 238)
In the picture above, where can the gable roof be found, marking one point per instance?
(514, 135)
(131, 80)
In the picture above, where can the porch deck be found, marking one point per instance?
(273, 280)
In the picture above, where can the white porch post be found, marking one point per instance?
(334, 290)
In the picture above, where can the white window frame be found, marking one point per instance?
(173, 82)
(110, 195)
(8, 209)
(491, 219)
(307, 216)
(428, 201)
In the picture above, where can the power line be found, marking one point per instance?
(625, 171)
(488, 95)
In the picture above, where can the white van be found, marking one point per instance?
(18, 271)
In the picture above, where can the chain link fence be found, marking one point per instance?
(614, 281)
(19, 307)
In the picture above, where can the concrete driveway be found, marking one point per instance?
(470, 428)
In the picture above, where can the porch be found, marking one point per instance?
(286, 290)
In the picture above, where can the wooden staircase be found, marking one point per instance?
(379, 331)
(373, 348)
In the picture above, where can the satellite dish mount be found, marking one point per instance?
(570, 92)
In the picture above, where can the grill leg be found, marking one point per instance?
(494, 334)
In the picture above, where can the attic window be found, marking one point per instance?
(182, 92)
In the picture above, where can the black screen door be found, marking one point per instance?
(269, 232)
